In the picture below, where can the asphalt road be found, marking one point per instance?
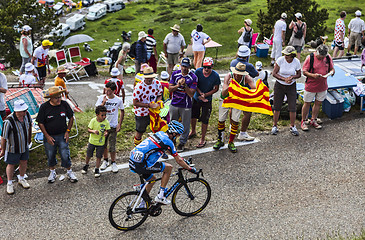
(283, 187)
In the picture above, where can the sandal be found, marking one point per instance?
(200, 145)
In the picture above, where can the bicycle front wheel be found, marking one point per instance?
(191, 197)
(121, 215)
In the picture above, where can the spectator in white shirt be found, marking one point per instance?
(356, 32)
(279, 38)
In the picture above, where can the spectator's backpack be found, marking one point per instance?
(311, 62)
(132, 51)
(265, 79)
(299, 33)
(247, 36)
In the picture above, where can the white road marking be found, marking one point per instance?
(188, 153)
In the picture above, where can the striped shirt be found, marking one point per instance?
(16, 133)
(150, 43)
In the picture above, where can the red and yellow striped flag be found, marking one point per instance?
(156, 123)
(242, 98)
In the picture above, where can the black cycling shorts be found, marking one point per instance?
(147, 172)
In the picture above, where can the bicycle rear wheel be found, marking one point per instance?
(121, 215)
(192, 197)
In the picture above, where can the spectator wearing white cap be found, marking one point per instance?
(29, 77)
(173, 46)
(356, 32)
(25, 47)
(243, 54)
(119, 92)
(141, 51)
(3, 90)
(278, 38)
(16, 137)
(246, 34)
(340, 32)
(297, 38)
(198, 40)
(263, 74)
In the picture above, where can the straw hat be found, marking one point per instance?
(239, 69)
(176, 28)
(62, 69)
(53, 91)
(148, 73)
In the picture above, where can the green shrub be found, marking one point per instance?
(216, 18)
(143, 10)
(350, 10)
(182, 15)
(126, 17)
(164, 12)
(212, 1)
(164, 18)
(223, 10)
(194, 6)
(230, 6)
(104, 23)
(243, 1)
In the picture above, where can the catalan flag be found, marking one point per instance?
(242, 98)
(156, 123)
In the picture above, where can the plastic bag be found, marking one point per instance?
(359, 89)
(346, 103)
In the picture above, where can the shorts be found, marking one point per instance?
(142, 123)
(14, 158)
(223, 113)
(204, 114)
(172, 58)
(318, 96)
(147, 172)
(111, 140)
(355, 38)
(298, 48)
(42, 72)
(339, 45)
(280, 90)
(3, 114)
(92, 147)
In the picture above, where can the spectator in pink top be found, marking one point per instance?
(315, 84)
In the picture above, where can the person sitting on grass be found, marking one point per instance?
(98, 129)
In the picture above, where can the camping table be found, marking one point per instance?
(212, 44)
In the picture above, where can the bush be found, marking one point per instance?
(143, 10)
(126, 17)
(243, 1)
(164, 18)
(223, 10)
(182, 15)
(216, 18)
(194, 6)
(350, 10)
(245, 11)
(164, 12)
(230, 6)
(105, 23)
(212, 1)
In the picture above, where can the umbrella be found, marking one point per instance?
(76, 39)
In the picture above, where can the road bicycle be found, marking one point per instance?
(189, 197)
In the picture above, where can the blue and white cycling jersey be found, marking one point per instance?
(152, 148)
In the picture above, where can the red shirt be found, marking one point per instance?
(118, 82)
(321, 67)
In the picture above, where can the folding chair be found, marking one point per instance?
(269, 40)
(60, 57)
(254, 39)
(75, 52)
(162, 58)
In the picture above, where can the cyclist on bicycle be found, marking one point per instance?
(143, 158)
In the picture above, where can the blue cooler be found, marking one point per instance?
(332, 105)
(262, 50)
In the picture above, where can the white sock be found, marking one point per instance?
(20, 177)
(69, 171)
(245, 133)
(10, 182)
(53, 171)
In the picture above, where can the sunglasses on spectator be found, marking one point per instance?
(208, 67)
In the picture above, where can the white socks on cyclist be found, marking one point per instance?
(162, 192)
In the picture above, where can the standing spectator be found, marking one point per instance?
(173, 46)
(119, 92)
(297, 38)
(239, 74)
(151, 50)
(208, 84)
(122, 58)
(40, 60)
(286, 70)
(315, 87)
(340, 31)
(141, 51)
(59, 79)
(98, 129)
(278, 38)
(3, 90)
(29, 77)
(356, 32)
(182, 85)
(25, 47)
(16, 137)
(112, 104)
(145, 92)
(246, 34)
(52, 122)
(263, 74)
(243, 54)
(198, 40)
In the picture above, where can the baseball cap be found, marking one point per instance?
(298, 15)
(208, 61)
(185, 62)
(47, 43)
(20, 105)
(283, 15)
(26, 28)
(258, 65)
(358, 13)
(243, 51)
(248, 22)
(141, 35)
